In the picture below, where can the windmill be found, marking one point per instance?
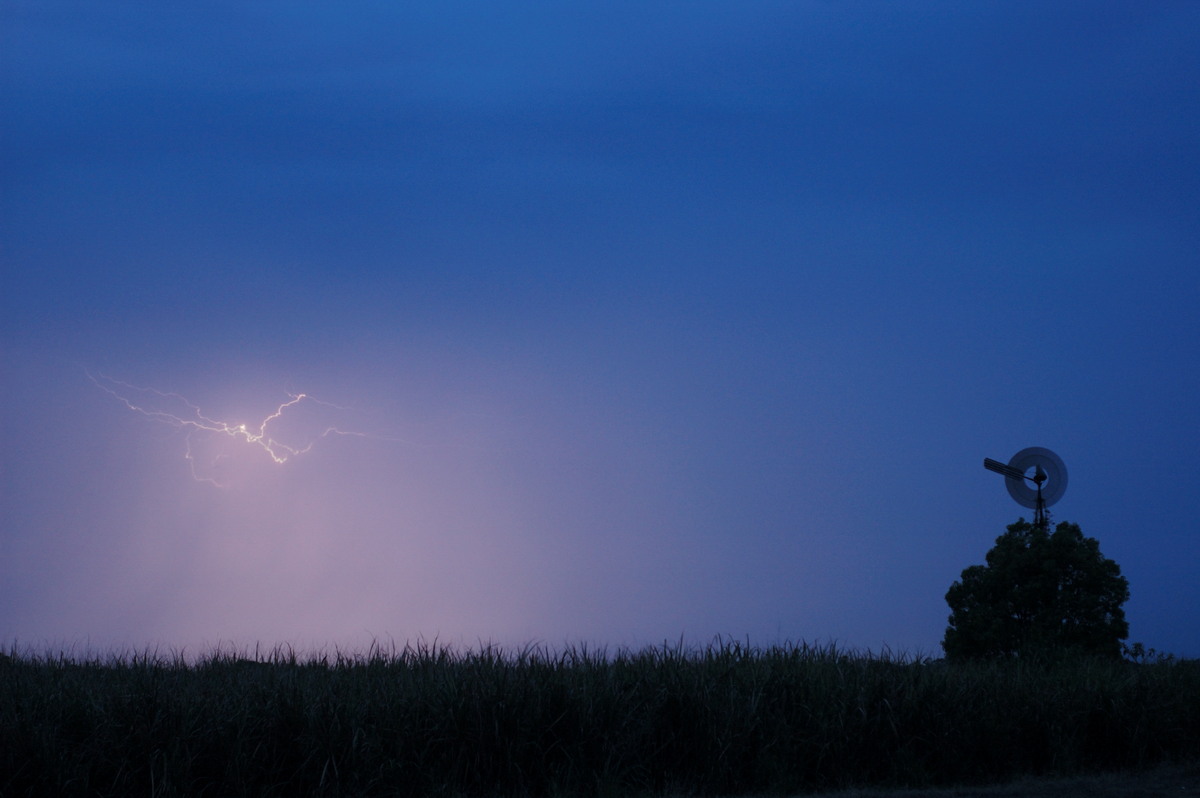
(1049, 479)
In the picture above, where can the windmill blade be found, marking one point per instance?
(1041, 460)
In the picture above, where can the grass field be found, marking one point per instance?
(726, 719)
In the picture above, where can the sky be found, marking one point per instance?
(604, 323)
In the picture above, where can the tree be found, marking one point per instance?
(1039, 592)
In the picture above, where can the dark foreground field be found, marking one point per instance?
(1162, 781)
(723, 720)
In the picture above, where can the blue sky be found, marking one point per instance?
(657, 320)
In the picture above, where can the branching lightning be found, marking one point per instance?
(175, 410)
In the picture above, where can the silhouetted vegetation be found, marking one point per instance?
(428, 720)
(1040, 594)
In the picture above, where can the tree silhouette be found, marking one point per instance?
(1038, 593)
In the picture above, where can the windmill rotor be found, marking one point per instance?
(1037, 490)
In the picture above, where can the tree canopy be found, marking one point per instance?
(1038, 593)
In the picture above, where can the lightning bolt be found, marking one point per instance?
(175, 410)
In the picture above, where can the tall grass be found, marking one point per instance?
(430, 720)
